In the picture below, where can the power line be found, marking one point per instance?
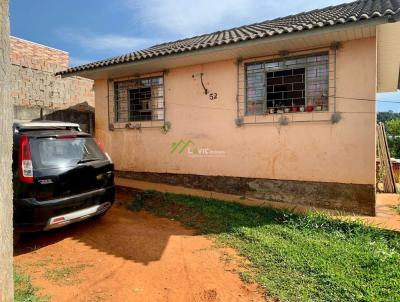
(338, 97)
(355, 99)
(361, 99)
(232, 109)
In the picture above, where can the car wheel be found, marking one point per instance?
(16, 236)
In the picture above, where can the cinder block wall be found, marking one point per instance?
(35, 86)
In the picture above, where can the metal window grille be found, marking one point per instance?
(139, 100)
(293, 84)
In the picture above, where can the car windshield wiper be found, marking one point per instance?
(86, 160)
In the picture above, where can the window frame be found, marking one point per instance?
(137, 83)
(283, 68)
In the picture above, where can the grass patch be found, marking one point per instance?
(24, 290)
(246, 277)
(65, 275)
(295, 257)
(41, 262)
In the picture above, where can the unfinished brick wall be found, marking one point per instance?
(35, 86)
(38, 57)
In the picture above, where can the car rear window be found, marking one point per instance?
(64, 152)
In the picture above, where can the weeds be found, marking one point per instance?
(65, 275)
(24, 290)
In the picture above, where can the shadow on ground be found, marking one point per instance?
(136, 236)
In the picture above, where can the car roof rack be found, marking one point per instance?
(45, 125)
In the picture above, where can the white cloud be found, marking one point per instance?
(184, 18)
(114, 43)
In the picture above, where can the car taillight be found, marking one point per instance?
(25, 160)
(101, 147)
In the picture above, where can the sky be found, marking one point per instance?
(91, 30)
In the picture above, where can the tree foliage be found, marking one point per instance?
(391, 121)
(393, 132)
(383, 117)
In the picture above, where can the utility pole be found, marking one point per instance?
(6, 193)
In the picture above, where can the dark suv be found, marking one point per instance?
(61, 175)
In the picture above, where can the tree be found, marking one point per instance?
(393, 133)
(383, 117)
(6, 118)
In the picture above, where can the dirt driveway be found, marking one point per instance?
(131, 256)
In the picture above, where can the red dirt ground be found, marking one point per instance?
(386, 216)
(131, 256)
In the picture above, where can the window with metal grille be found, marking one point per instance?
(296, 84)
(139, 100)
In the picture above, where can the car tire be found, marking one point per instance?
(16, 237)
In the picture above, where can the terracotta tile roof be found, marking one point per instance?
(345, 13)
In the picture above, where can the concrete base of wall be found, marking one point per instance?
(352, 198)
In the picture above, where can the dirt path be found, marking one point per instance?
(127, 256)
(386, 216)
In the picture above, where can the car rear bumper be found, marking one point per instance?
(63, 220)
(31, 215)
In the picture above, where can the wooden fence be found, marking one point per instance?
(385, 172)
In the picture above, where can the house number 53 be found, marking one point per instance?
(213, 96)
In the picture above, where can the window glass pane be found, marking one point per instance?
(156, 81)
(272, 65)
(317, 85)
(158, 115)
(56, 153)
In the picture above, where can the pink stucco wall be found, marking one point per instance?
(312, 151)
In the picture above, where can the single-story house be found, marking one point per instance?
(282, 110)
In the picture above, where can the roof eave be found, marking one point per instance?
(92, 73)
